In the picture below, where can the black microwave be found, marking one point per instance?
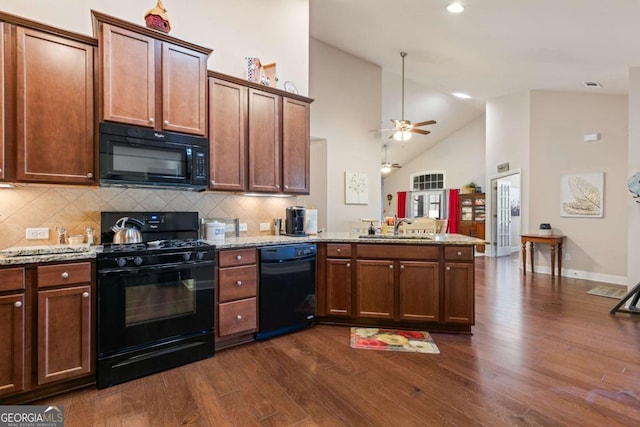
(132, 156)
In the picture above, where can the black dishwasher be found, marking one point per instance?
(287, 289)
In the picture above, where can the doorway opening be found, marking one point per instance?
(506, 222)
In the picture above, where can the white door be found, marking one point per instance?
(503, 218)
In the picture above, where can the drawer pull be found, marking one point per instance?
(401, 267)
(239, 317)
(17, 304)
(459, 253)
(348, 264)
(448, 268)
(85, 295)
(65, 275)
(239, 283)
(391, 266)
(338, 250)
(239, 257)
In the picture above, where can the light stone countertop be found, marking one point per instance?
(47, 253)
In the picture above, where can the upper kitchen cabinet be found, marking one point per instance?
(259, 137)
(48, 98)
(150, 79)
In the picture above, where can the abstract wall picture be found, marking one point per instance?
(356, 188)
(582, 195)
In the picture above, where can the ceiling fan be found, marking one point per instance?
(386, 166)
(403, 128)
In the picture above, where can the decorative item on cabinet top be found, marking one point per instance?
(157, 18)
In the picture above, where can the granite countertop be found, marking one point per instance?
(46, 253)
(345, 237)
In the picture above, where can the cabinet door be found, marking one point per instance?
(339, 287)
(264, 141)
(375, 289)
(184, 90)
(12, 347)
(419, 294)
(227, 135)
(54, 91)
(64, 333)
(128, 77)
(458, 293)
(295, 146)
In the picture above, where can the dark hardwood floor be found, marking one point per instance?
(542, 353)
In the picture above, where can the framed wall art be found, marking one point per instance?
(356, 188)
(582, 195)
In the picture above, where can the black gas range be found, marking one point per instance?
(155, 298)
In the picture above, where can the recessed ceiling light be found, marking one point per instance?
(455, 7)
(461, 95)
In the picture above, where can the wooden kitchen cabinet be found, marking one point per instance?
(236, 298)
(472, 212)
(151, 79)
(12, 330)
(227, 135)
(459, 285)
(47, 93)
(64, 317)
(265, 112)
(339, 280)
(259, 137)
(398, 282)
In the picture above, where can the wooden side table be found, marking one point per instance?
(554, 240)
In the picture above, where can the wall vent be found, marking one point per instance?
(592, 84)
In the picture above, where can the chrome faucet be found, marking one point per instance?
(397, 222)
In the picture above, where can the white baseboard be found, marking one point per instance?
(585, 275)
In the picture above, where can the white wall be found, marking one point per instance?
(347, 97)
(461, 156)
(559, 121)
(633, 166)
(275, 31)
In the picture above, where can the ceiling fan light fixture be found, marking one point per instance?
(385, 168)
(402, 135)
(455, 7)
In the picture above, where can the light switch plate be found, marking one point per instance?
(243, 226)
(265, 226)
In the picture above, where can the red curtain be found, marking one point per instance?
(453, 211)
(402, 204)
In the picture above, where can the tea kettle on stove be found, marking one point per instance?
(124, 234)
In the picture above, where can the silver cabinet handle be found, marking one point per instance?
(213, 182)
(391, 266)
(348, 264)
(17, 304)
(401, 267)
(286, 187)
(448, 268)
(166, 122)
(239, 283)
(338, 250)
(459, 253)
(89, 175)
(239, 317)
(0, 169)
(239, 257)
(65, 275)
(278, 186)
(151, 120)
(85, 295)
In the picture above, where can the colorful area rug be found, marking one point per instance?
(393, 340)
(608, 291)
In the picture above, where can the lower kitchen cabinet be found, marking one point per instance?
(236, 299)
(459, 285)
(338, 280)
(57, 353)
(375, 289)
(419, 291)
(64, 333)
(12, 330)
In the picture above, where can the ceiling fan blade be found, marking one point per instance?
(396, 165)
(420, 131)
(428, 122)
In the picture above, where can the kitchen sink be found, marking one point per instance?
(391, 236)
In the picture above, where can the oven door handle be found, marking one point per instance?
(157, 267)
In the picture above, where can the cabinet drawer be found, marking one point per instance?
(237, 282)
(338, 250)
(11, 279)
(458, 253)
(233, 258)
(237, 316)
(404, 252)
(64, 274)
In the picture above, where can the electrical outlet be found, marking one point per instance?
(265, 226)
(567, 256)
(37, 233)
(243, 226)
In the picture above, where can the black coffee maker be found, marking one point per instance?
(294, 221)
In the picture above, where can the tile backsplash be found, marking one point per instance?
(74, 208)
